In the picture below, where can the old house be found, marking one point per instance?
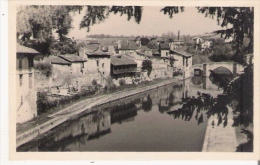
(183, 61)
(164, 49)
(25, 90)
(77, 64)
(127, 47)
(99, 62)
(67, 71)
(123, 67)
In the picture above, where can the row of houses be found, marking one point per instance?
(94, 63)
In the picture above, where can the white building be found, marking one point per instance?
(26, 93)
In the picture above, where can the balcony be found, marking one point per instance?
(124, 70)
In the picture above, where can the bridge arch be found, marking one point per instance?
(222, 70)
(234, 68)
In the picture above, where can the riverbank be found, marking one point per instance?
(219, 138)
(35, 128)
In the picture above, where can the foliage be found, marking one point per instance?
(97, 14)
(243, 86)
(39, 21)
(144, 41)
(177, 72)
(222, 52)
(147, 65)
(153, 45)
(122, 82)
(44, 105)
(241, 20)
(147, 105)
(44, 67)
(60, 48)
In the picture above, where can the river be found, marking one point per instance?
(143, 123)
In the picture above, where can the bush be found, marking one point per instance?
(177, 72)
(147, 65)
(44, 67)
(122, 82)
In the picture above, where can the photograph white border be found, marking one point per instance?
(13, 155)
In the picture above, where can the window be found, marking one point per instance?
(21, 79)
(20, 63)
(167, 53)
(103, 65)
(30, 81)
(97, 63)
(30, 62)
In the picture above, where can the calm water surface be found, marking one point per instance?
(137, 124)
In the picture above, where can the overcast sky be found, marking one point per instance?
(153, 22)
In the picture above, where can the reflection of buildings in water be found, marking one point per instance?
(123, 113)
(197, 80)
(87, 127)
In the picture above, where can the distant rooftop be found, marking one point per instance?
(72, 58)
(122, 60)
(57, 60)
(25, 50)
(99, 53)
(128, 45)
(181, 52)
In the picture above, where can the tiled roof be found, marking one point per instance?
(58, 60)
(99, 53)
(182, 53)
(72, 58)
(25, 50)
(122, 60)
(130, 45)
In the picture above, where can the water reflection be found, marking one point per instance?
(153, 121)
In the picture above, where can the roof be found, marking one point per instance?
(99, 53)
(182, 53)
(58, 60)
(72, 58)
(164, 46)
(122, 60)
(25, 50)
(129, 45)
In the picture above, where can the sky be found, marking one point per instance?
(153, 22)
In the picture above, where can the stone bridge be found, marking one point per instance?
(227, 67)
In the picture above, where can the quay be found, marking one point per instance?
(76, 109)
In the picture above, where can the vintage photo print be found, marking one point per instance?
(99, 80)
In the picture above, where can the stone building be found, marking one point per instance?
(25, 90)
(123, 67)
(183, 61)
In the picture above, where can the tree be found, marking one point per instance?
(241, 20)
(147, 65)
